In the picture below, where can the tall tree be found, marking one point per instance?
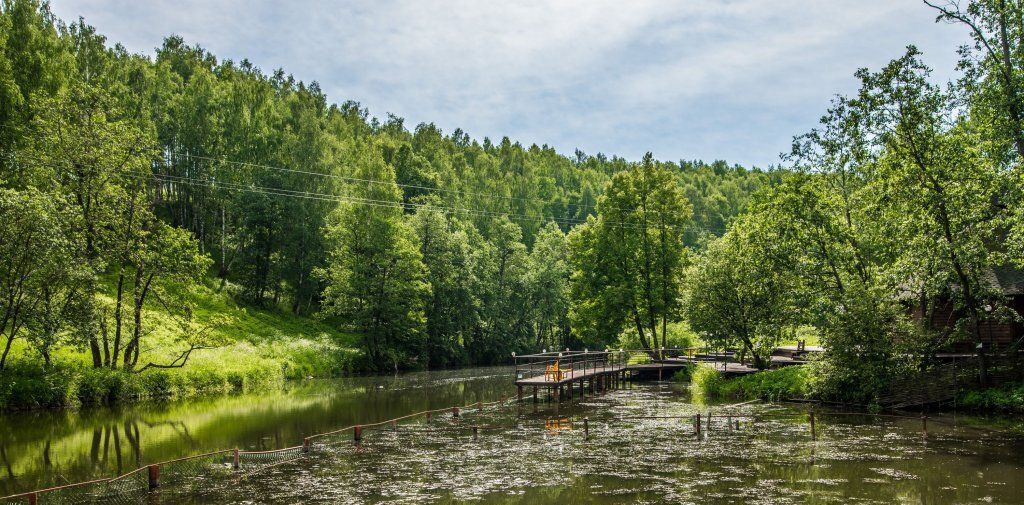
(628, 262)
(739, 293)
(940, 190)
(376, 280)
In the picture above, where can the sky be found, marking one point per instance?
(684, 79)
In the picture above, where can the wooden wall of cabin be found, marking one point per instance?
(997, 335)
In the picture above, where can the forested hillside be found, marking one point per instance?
(129, 182)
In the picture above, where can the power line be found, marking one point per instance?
(251, 188)
(401, 185)
(383, 203)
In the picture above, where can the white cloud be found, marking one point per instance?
(712, 79)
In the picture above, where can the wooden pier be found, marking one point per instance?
(560, 373)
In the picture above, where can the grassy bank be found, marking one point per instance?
(258, 349)
(787, 382)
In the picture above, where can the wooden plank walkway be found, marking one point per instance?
(568, 377)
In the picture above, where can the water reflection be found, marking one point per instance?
(42, 449)
(643, 449)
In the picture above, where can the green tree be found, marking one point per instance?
(33, 248)
(452, 314)
(628, 262)
(940, 192)
(376, 280)
(547, 279)
(737, 293)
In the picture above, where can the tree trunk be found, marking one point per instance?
(116, 351)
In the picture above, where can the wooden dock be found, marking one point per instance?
(559, 374)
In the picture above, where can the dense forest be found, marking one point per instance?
(133, 189)
(126, 181)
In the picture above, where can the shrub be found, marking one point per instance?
(781, 383)
(1005, 398)
(705, 381)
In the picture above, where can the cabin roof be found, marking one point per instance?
(1009, 279)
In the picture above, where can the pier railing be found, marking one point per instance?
(557, 364)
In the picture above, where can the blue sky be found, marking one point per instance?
(686, 79)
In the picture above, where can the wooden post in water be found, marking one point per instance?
(357, 433)
(33, 499)
(814, 435)
(696, 423)
(236, 463)
(728, 421)
(479, 405)
(154, 477)
(455, 412)
(476, 430)
(534, 394)
(520, 393)
(305, 445)
(586, 428)
(924, 424)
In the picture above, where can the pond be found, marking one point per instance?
(642, 448)
(43, 449)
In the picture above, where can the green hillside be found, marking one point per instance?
(255, 348)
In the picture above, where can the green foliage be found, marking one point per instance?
(1007, 398)
(627, 262)
(260, 349)
(376, 279)
(782, 383)
(738, 294)
(705, 381)
(680, 336)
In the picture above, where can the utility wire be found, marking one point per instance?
(203, 182)
(401, 185)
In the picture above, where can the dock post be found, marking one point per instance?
(696, 424)
(534, 394)
(305, 445)
(709, 421)
(586, 428)
(357, 433)
(520, 393)
(236, 463)
(729, 421)
(814, 434)
(154, 477)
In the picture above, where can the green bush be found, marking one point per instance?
(781, 383)
(28, 386)
(705, 381)
(1006, 398)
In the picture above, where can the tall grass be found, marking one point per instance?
(262, 349)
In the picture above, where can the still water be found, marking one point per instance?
(642, 448)
(43, 449)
